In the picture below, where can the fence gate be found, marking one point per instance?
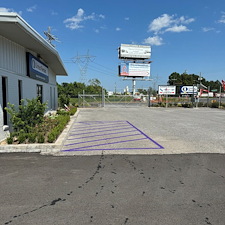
(102, 100)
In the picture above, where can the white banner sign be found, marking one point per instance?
(167, 90)
(188, 90)
(135, 51)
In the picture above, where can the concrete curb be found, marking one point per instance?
(45, 149)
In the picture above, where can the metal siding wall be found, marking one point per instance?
(12, 57)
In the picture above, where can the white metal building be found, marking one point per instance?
(28, 66)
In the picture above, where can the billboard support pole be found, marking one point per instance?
(133, 86)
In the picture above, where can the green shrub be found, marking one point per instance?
(64, 100)
(32, 137)
(40, 138)
(62, 112)
(73, 111)
(22, 137)
(9, 140)
(62, 120)
(27, 115)
(51, 137)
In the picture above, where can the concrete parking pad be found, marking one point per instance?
(145, 131)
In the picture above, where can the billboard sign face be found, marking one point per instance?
(135, 69)
(36, 69)
(188, 90)
(167, 90)
(134, 51)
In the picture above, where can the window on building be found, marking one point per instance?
(40, 93)
(20, 91)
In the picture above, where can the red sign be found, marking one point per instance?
(223, 84)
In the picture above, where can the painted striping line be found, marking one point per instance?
(161, 147)
(103, 124)
(104, 144)
(97, 132)
(108, 149)
(102, 139)
(86, 128)
(103, 134)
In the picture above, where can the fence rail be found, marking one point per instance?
(102, 100)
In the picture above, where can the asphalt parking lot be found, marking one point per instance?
(112, 189)
(111, 179)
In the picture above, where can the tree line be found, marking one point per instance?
(185, 79)
(72, 90)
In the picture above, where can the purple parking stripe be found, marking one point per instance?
(107, 149)
(100, 127)
(102, 139)
(98, 131)
(91, 146)
(103, 134)
(100, 124)
(160, 146)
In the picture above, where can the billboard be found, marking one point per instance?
(188, 90)
(167, 90)
(134, 51)
(134, 69)
(36, 69)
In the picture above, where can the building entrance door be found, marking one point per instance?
(4, 100)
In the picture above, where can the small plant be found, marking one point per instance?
(9, 140)
(32, 137)
(40, 138)
(72, 110)
(51, 137)
(22, 137)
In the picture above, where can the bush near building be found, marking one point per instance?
(31, 126)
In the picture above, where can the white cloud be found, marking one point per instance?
(127, 18)
(102, 16)
(2, 9)
(118, 29)
(161, 22)
(169, 23)
(32, 8)
(53, 13)
(155, 40)
(75, 22)
(222, 18)
(6, 10)
(207, 29)
(177, 29)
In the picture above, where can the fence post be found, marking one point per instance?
(149, 97)
(103, 97)
(83, 98)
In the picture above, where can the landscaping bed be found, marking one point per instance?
(30, 125)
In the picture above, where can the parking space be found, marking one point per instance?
(107, 135)
(140, 130)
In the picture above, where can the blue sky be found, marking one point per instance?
(184, 35)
